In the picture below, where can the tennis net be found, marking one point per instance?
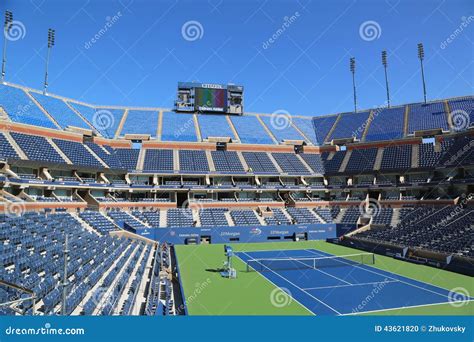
(274, 264)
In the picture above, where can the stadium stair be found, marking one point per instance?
(345, 161)
(233, 129)
(369, 121)
(32, 99)
(278, 168)
(415, 152)
(269, 132)
(378, 159)
(210, 161)
(141, 159)
(121, 124)
(243, 161)
(448, 116)
(58, 150)
(406, 120)
(95, 156)
(15, 146)
(310, 170)
(333, 128)
(176, 160)
(197, 128)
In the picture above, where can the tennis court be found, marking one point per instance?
(328, 285)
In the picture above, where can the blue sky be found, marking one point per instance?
(146, 50)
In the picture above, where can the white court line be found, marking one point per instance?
(299, 288)
(358, 284)
(276, 286)
(401, 281)
(405, 307)
(340, 279)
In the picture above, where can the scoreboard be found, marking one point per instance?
(209, 98)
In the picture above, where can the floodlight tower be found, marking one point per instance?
(352, 67)
(421, 56)
(51, 38)
(385, 64)
(6, 28)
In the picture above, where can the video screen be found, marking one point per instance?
(214, 100)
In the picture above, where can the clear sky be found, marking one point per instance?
(142, 48)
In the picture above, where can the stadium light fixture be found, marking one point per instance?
(6, 27)
(51, 41)
(352, 67)
(421, 56)
(385, 64)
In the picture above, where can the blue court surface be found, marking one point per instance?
(342, 287)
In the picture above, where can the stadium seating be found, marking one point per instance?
(214, 126)
(350, 125)
(282, 130)
(178, 127)
(362, 160)
(447, 230)
(77, 153)
(427, 116)
(6, 149)
(158, 160)
(250, 130)
(180, 217)
(21, 108)
(37, 148)
(128, 157)
(213, 217)
(193, 161)
(227, 162)
(322, 127)
(259, 162)
(387, 124)
(289, 163)
(141, 122)
(244, 217)
(334, 164)
(61, 112)
(396, 157)
(314, 161)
